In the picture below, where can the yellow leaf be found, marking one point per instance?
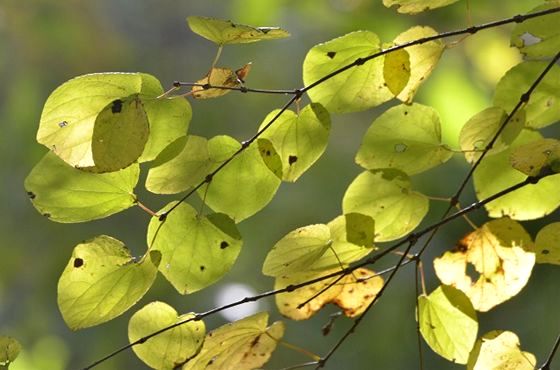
(547, 244)
(499, 350)
(396, 70)
(531, 158)
(217, 76)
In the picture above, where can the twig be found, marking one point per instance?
(546, 365)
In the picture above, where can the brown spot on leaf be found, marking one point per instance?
(31, 195)
(202, 268)
(545, 251)
(63, 124)
(78, 262)
(47, 215)
(292, 159)
(331, 54)
(117, 106)
(224, 245)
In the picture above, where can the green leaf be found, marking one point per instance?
(530, 202)
(543, 107)
(483, 126)
(405, 137)
(535, 156)
(448, 323)
(241, 345)
(300, 139)
(65, 194)
(102, 280)
(538, 37)
(500, 350)
(356, 89)
(547, 244)
(196, 251)
(417, 6)
(244, 186)
(70, 114)
(180, 166)
(171, 348)
(386, 196)
(396, 70)
(354, 228)
(9, 350)
(270, 156)
(423, 58)
(224, 32)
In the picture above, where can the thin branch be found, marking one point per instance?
(418, 334)
(242, 89)
(548, 362)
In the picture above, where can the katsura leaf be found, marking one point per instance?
(500, 252)
(405, 137)
(535, 156)
(241, 345)
(102, 280)
(359, 289)
(270, 156)
(216, 77)
(224, 32)
(539, 37)
(168, 349)
(448, 323)
(196, 251)
(417, 6)
(547, 244)
(387, 197)
(500, 350)
(9, 350)
(65, 194)
(300, 139)
(396, 70)
(357, 89)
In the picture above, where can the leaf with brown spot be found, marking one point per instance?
(217, 76)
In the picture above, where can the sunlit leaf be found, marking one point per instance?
(196, 251)
(357, 89)
(405, 137)
(483, 126)
(9, 350)
(530, 202)
(538, 37)
(547, 244)
(500, 350)
(182, 165)
(102, 280)
(396, 70)
(270, 156)
(500, 254)
(359, 289)
(244, 186)
(387, 197)
(216, 77)
(241, 345)
(543, 108)
(417, 6)
(70, 114)
(354, 228)
(448, 323)
(423, 58)
(171, 348)
(65, 194)
(224, 32)
(300, 139)
(533, 157)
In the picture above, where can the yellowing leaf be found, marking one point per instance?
(171, 348)
(535, 156)
(356, 89)
(448, 323)
(101, 281)
(500, 350)
(405, 137)
(538, 37)
(224, 32)
(359, 289)
(218, 77)
(241, 345)
(417, 6)
(9, 350)
(196, 251)
(396, 70)
(500, 254)
(386, 196)
(65, 194)
(547, 244)
(423, 58)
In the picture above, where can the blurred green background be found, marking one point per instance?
(46, 42)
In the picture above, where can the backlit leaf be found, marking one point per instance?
(357, 89)
(171, 348)
(65, 194)
(218, 77)
(354, 228)
(547, 244)
(483, 126)
(417, 6)
(423, 58)
(396, 70)
(448, 323)
(9, 350)
(500, 254)
(300, 139)
(538, 37)
(500, 350)
(224, 32)
(533, 157)
(543, 107)
(244, 186)
(359, 289)
(196, 251)
(405, 137)
(241, 345)
(387, 197)
(530, 202)
(270, 156)
(102, 280)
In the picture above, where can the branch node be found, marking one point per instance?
(525, 98)
(360, 61)
(176, 84)
(518, 18)
(472, 30)
(245, 144)
(163, 217)
(208, 178)
(290, 288)
(454, 201)
(206, 86)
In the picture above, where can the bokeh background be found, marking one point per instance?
(46, 42)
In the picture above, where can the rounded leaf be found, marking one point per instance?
(417, 6)
(216, 77)
(396, 70)
(547, 244)
(500, 350)
(538, 37)
(536, 156)
(9, 350)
